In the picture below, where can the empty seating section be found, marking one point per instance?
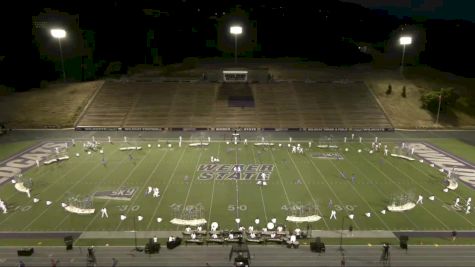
(205, 105)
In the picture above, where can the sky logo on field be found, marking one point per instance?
(119, 194)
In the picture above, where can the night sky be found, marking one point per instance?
(165, 32)
(433, 9)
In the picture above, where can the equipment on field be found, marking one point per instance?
(403, 241)
(317, 246)
(152, 247)
(244, 256)
(68, 241)
(173, 242)
(25, 252)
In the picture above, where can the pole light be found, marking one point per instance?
(438, 110)
(60, 34)
(404, 40)
(235, 30)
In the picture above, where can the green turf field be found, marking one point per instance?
(298, 185)
(10, 149)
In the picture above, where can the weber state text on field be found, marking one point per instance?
(226, 171)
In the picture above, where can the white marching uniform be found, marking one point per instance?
(419, 200)
(156, 192)
(104, 213)
(333, 215)
(3, 206)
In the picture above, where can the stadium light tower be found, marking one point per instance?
(60, 34)
(236, 30)
(404, 40)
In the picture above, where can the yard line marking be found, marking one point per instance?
(62, 195)
(263, 204)
(144, 187)
(166, 188)
(212, 192)
(237, 186)
(308, 189)
(191, 184)
(382, 193)
(325, 180)
(280, 179)
(364, 200)
(425, 174)
(260, 188)
(121, 184)
(389, 178)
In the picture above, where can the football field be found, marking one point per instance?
(192, 187)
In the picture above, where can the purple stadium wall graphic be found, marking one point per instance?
(25, 160)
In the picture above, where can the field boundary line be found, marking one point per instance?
(14, 156)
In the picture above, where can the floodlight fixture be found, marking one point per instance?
(405, 40)
(60, 34)
(235, 30)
